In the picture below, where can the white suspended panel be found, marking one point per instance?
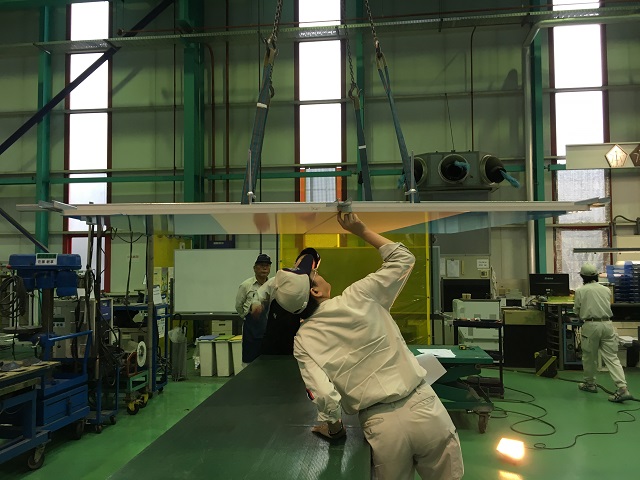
(308, 218)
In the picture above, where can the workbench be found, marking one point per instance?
(18, 413)
(257, 426)
(453, 392)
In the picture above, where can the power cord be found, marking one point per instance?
(541, 445)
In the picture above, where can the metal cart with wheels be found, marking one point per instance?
(18, 414)
(455, 394)
(63, 396)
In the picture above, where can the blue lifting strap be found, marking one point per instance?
(365, 177)
(383, 70)
(515, 183)
(259, 124)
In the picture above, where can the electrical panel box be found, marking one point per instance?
(69, 316)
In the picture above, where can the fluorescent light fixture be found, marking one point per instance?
(512, 450)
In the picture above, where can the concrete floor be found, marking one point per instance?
(571, 412)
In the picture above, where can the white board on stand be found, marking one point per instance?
(207, 281)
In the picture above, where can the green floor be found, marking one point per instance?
(571, 412)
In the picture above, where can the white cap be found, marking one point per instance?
(292, 291)
(589, 270)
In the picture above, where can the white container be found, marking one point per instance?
(236, 353)
(224, 359)
(207, 358)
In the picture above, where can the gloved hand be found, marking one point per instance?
(333, 432)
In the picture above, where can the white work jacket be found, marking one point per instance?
(245, 296)
(350, 351)
(592, 300)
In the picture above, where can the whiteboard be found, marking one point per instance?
(207, 281)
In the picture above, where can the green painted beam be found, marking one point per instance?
(43, 150)
(18, 180)
(538, 149)
(131, 179)
(272, 175)
(191, 13)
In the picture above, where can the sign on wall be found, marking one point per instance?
(603, 155)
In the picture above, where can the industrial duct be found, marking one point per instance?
(436, 171)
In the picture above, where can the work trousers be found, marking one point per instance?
(413, 434)
(601, 335)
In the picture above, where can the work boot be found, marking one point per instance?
(588, 387)
(621, 395)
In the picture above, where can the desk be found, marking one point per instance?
(454, 393)
(257, 426)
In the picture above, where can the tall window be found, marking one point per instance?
(579, 118)
(87, 131)
(320, 85)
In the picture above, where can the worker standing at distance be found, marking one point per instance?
(352, 357)
(252, 327)
(592, 303)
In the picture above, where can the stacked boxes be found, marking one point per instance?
(626, 281)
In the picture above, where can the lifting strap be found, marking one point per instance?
(364, 177)
(383, 70)
(262, 109)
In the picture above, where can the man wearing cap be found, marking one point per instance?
(252, 328)
(352, 357)
(592, 303)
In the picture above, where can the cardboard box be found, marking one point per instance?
(516, 316)
(222, 327)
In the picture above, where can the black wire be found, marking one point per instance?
(543, 446)
(624, 218)
(453, 145)
(530, 418)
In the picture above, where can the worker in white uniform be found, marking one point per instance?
(592, 303)
(352, 357)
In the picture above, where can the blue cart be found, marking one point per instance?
(63, 398)
(18, 431)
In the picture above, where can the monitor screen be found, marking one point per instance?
(549, 284)
(453, 288)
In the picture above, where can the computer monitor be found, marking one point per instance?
(549, 284)
(453, 288)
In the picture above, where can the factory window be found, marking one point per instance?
(579, 118)
(87, 122)
(320, 86)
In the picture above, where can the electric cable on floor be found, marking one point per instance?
(543, 446)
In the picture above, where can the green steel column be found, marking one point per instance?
(359, 71)
(43, 152)
(191, 15)
(538, 149)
